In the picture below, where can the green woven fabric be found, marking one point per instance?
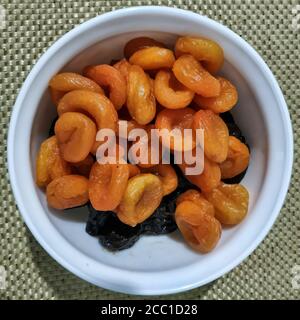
(31, 26)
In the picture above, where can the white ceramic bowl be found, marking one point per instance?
(155, 264)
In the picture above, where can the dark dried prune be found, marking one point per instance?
(233, 129)
(162, 220)
(113, 234)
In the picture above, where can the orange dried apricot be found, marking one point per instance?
(145, 155)
(142, 196)
(170, 93)
(167, 175)
(205, 50)
(200, 230)
(224, 102)
(210, 177)
(108, 76)
(230, 202)
(197, 198)
(83, 167)
(123, 67)
(130, 125)
(107, 184)
(141, 102)
(49, 163)
(237, 159)
(75, 135)
(64, 82)
(92, 104)
(176, 119)
(139, 43)
(216, 135)
(67, 192)
(191, 74)
(153, 58)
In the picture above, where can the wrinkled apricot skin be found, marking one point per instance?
(67, 192)
(139, 43)
(96, 106)
(204, 50)
(108, 76)
(75, 135)
(191, 74)
(200, 230)
(142, 196)
(237, 159)
(169, 97)
(64, 82)
(107, 184)
(49, 163)
(153, 58)
(216, 135)
(230, 202)
(123, 67)
(224, 102)
(83, 167)
(167, 175)
(197, 198)
(177, 119)
(210, 177)
(141, 102)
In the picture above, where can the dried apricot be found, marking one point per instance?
(153, 58)
(170, 93)
(230, 202)
(107, 184)
(49, 163)
(205, 50)
(167, 175)
(200, 230)
(64, 82)
(140, 98)
(75, 135)
(139, 43)
(210, 177)
(92, 104)
(216, 135)
(191, 74)
(224, 102)
(108, 76)
(237, 159)
(196, 197)
(142, 152)
(67, 192)
(83, 167)
(123, 67)
(175, 121)
(142, 196)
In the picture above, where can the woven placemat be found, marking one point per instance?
(30, 27)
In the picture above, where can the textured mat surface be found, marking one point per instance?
(31, 27)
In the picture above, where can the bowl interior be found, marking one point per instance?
(149, 253)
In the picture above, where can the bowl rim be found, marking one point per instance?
(160, 10)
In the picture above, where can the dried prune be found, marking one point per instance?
(113, 234)
(233, 129)
(162, 220)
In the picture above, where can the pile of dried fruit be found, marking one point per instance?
(152, 87)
